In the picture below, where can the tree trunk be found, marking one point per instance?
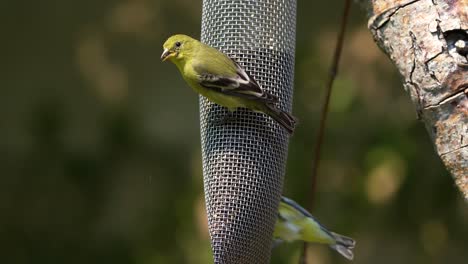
(428, 42)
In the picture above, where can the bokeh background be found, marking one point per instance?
(100, 145)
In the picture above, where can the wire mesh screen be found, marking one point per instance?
(244, 157)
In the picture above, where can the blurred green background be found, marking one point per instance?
(99, 166)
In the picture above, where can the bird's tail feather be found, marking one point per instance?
(344, 245)
(285, 119)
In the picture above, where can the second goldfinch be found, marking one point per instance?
(214, 75)
(297, 224)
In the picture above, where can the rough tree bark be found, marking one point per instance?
(428, 42)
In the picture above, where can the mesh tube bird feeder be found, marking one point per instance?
(244, 158)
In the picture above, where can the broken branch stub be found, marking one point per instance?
(427, 40)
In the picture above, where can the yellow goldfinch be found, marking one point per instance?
(296, 224)
(214, 75)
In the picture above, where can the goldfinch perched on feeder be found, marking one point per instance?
(214, 75)
(296, 224)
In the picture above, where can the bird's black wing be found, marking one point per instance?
(240, 85)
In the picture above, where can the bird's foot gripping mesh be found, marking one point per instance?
(244, 158)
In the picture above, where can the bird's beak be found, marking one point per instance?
(166, 54)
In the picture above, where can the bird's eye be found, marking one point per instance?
(177, 44)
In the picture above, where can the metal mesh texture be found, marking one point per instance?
(244, 158)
